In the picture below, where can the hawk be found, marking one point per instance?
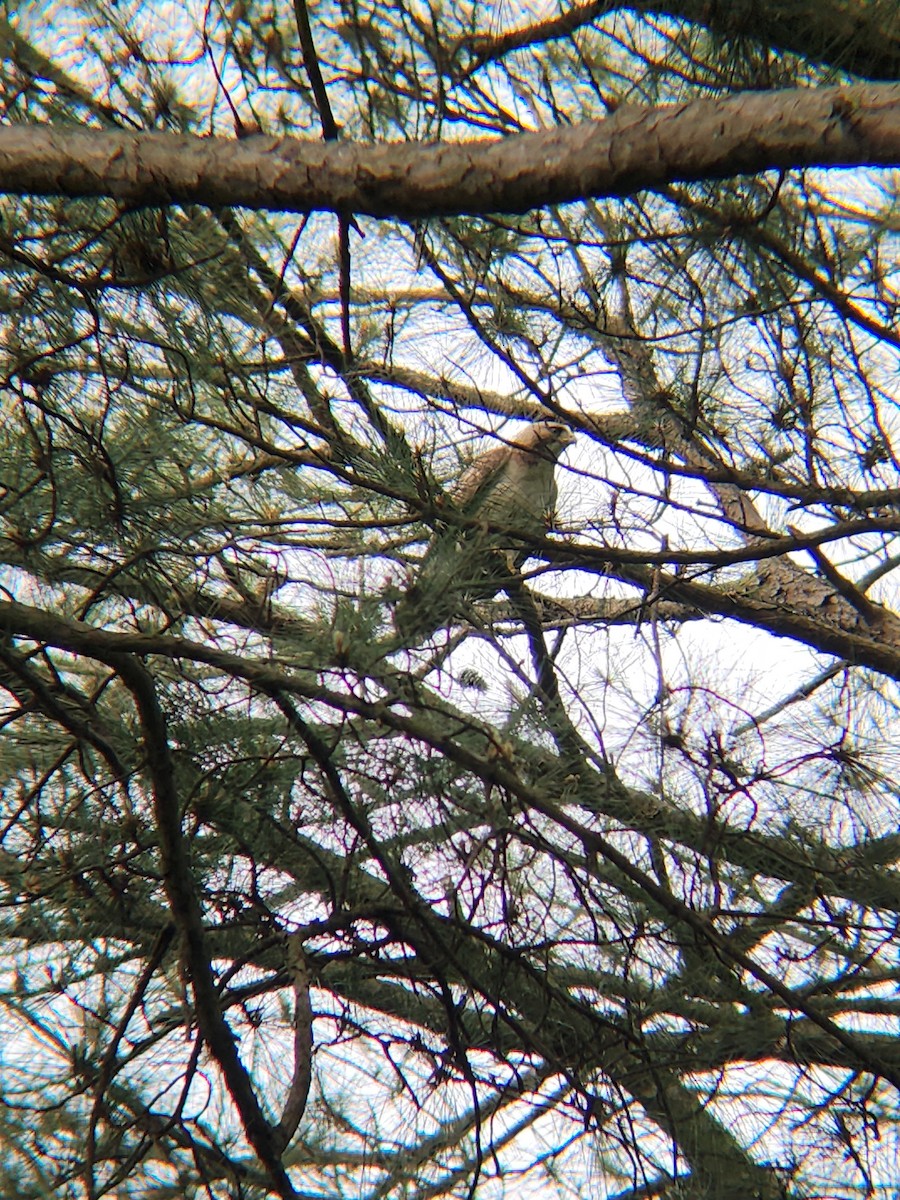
(508, 490)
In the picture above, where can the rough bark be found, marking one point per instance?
(862, 39)
(634, 149)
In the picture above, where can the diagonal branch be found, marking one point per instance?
(301, 977)
(864, 39)
(188, 918)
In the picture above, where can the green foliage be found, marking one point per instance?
(584, 886)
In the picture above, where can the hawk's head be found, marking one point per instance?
(546, 438)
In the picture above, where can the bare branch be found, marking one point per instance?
(635, 148)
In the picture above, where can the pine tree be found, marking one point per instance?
(589, 887)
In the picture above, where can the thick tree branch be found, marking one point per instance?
(862, 39)
(636, 148)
